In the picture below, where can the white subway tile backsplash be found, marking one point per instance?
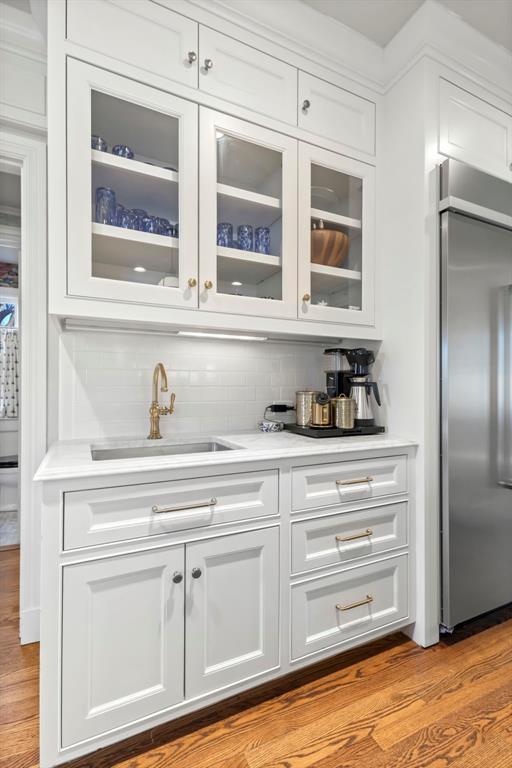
(105, 382)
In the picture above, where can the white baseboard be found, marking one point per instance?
(29, 626)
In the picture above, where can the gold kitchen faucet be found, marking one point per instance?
(155, 409)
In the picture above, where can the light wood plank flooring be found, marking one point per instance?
(388, 705)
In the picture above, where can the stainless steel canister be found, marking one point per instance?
(303, 407)
(343, 412)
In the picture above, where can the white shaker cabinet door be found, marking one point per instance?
(147, 257)
(139, 33)
(336, 114)
(232, 611)
(122, 640)
(475, 132)
(243, 75)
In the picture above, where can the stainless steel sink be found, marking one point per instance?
(165, 449)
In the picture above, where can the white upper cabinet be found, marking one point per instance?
(475, 132)
(336, 237)
(243, 75)
(139, 33)
(132, 221)
(248, 204)
(232, 611)
(336, 114)
(123, 640)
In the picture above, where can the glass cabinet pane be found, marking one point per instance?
(336, 201)
(135, 192)
(249, 218)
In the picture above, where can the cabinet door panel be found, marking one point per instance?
(113, 253)
(248, 193)
(137, 32)
(246, 76)
(336, 238)
(336, 114)
(475, 132)
(232, 617)
(122, 641)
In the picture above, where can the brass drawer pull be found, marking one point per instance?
(358, 481)
(181, 507)
(362, 535)
(368, 599)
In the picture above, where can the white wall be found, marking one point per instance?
(105, 382)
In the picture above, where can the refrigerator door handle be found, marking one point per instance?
(504, 387)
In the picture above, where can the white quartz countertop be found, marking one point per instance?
(72, 458)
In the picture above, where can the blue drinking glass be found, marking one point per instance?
(139, 214)
(225, 235)
(119, 212)
(149, 224)
(262, 240)
(123, 151)
(162, 224)
(105, 206)
(126, 219)
(98, 143)
(245, 237)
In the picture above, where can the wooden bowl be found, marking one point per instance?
(329, 247)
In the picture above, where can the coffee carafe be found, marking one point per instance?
(361, 387)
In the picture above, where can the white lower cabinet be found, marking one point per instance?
(122, 640)
(232, 609)
(125, 620)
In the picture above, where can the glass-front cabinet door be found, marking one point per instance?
(132, 191)
(248, 210)
(336, 237)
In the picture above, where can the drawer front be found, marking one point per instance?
(136, 32)
(341, 482)
(347, 536)
(131, 512)
(246, 76)
(332, 610)
(337, 114)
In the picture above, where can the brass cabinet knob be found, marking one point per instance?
(208, 284)
(192, 282)
(306, 297)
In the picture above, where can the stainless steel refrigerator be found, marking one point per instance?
(476, 392)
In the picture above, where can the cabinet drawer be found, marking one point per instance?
(324, 484)
(336, 114)
(129, 512)
(246, 76)
(332, 610)
(136, 32)
(347, 536)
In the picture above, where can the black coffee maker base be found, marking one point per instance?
(334, 431)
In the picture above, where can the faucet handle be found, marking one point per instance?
(171, 404)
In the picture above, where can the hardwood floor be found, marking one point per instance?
(387, 705)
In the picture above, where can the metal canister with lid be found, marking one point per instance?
(304, 406)
(343, 412)
(321, 410)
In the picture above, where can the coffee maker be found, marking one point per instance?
(337, 373)
(361, 386)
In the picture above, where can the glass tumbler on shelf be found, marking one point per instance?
(139, 214)
(121, 150)
(105, 206)
(262, 240)
(162, 225)
(150, 224)
(126, 219)
(98, 143)
(225, 234)
(245, 237)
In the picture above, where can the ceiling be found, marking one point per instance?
(380, 20)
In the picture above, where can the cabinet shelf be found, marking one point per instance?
(246, 266)
(240, 206)
(335, 218)
(133, 166)
(128, 248)
(331, 279)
